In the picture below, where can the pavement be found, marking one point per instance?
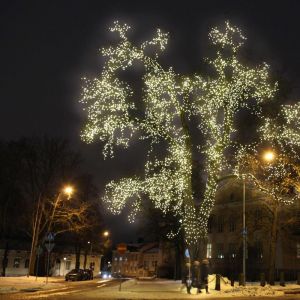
(58, 289)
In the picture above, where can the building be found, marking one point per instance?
(224, 243)
(144, 260)
(61, 262)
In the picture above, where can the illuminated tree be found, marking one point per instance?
(169, 100)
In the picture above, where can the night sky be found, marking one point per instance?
(48, 46)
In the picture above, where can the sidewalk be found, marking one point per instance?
(170, 289)
(24, 283)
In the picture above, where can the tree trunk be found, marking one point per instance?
(5, 259)
(274, 234)
(85, 259)
(77, 256)
(35, 238)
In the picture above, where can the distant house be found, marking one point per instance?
(144, 260)
(61, 261)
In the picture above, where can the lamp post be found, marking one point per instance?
(68, 190)
(244, 229)
(268, 156)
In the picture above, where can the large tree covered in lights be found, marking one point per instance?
(169, 101)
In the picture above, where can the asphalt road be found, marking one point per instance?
(88, 290)
(70, 290)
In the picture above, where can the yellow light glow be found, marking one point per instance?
(68, 190)
(269, 156)
(106, 233)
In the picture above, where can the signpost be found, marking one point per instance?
(49, 244)
(189, 279)
(39, 252)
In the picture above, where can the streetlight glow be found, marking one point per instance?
(106, 233)
(68, 190)
(269, 156)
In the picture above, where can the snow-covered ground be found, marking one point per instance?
(168, 289)
(14, 284)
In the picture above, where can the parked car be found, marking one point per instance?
(88, 274)
(75, 275)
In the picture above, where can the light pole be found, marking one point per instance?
(244, 229)
(68, 190)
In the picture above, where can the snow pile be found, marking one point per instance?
(254, 291)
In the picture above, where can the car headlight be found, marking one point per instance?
(104, 276)
(109, 276)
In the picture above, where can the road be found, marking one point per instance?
(108, 289)
(69, 290)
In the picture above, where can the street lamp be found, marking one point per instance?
(269, 156)
(106, 233)
(68, 190)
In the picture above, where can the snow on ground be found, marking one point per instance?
(14, 284)
(168, 289)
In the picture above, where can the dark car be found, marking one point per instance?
(88, 274)
(75, 275)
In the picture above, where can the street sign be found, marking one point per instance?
(49, 246)
(187, 253)
(50, 236)
(122, 248)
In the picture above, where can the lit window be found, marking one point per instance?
(220, 250)
(208, 250)
(232, 250)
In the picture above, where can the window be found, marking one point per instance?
(17, 261)
(259, 249)
(220, 224)
(146, 264)
(298, 250)
(26, 265)
(232, 250)
(68, 264)
(220, 250)
(210, 224)
(232, 224)
(208, 250)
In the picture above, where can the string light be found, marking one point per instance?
(170, 100)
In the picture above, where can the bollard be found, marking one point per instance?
(282, 283)
(218, 283)
(298, 278)
(262, 279)
(232, 281)
(242, 279)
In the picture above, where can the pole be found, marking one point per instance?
(244, 230)
(37, 263)
(48, 262)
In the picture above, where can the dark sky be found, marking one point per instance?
(48, 46)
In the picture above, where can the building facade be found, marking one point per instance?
(143, 260)
(60, 263)
(224, 243)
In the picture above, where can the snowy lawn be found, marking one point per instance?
(168, 289)
(15, 284)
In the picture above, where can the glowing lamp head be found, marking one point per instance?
(106, 233)
(68, 190)
(269, 156)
